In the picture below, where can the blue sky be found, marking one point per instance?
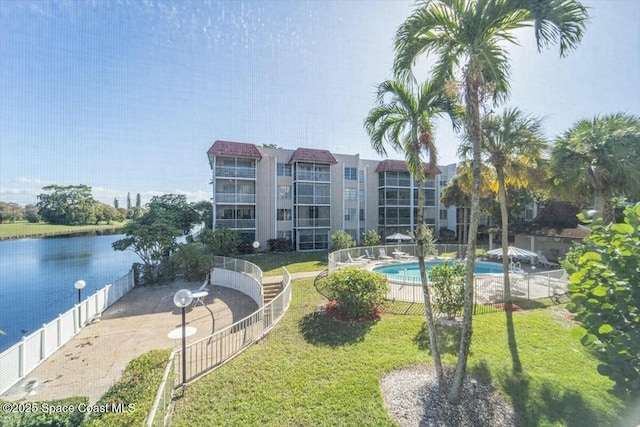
(128, 96)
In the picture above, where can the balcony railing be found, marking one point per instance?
(235, 172)
(235, 198)
(313, 176)
(235, 223)
(313, 222)
(313, 200)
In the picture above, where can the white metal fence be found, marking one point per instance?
(20, 359)
(213, 351)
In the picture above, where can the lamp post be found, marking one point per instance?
(182, 299)
(79, 285)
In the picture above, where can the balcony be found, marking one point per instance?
(313, 176)
(313, 200)
(235, 172)
(235, 223)
(234, 198)
(313, 222)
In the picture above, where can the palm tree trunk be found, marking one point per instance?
(508, 303)
(472, 107)
(504, 216)
(420, 237)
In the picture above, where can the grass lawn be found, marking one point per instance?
(26, 229)
(271, 263)
(312, 371)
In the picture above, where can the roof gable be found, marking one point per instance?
(234, 149)
(401, 166)
(313, 155)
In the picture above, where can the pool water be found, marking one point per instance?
(412, 268)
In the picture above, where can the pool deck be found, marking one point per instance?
(139, 322)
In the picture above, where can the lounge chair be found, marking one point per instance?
(356, 261)
(544, 262)
(199, 294)
(383, 254)
(368, 254)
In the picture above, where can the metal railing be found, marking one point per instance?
(235, 172)
(160, 413)
(213, 351)
(235, 198)
(23, 357)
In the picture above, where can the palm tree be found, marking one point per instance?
(469, 36)
(513, 145)
(405, 122)
(599, 158)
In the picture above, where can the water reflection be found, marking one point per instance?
(37, 277)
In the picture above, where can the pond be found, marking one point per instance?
(37, 277)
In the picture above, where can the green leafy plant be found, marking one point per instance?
(370, 238)
(606, 298)
(47, 413)
(133, 394)
(447, 281)
(341, 240)
(357, 292)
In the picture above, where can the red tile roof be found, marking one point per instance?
(312, 155)
(401, 166)
(234, 149)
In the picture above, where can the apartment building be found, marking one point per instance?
(305, 195)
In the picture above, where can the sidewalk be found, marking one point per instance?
(94, 359)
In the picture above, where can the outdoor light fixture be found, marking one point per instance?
(182, 299)
(79, 285)
(255, 244)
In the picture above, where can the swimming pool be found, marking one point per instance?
(412, 269)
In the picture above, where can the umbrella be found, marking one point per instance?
(398, 237)
(513, 252)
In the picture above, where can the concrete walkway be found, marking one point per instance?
(94, 359)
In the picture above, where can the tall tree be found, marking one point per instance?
(138, 201)
(128, 201)
(68, 205)
(598, 158)
(404, 120)
(471, 37)
(513, 145)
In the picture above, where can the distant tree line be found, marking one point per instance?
(69, 205)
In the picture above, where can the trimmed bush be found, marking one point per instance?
(133, 394)
(47, 413)
(447, 281)
(357, 292)
(279, 245)
(341, 240)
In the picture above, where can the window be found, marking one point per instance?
(361, 214)
(284, 170)
(361, 176)
(443, 180)
(284, 192)
(350, 214)
(284, 214)
(443, 214)
(351, 174)
(284, 234)
(350, 193)
(361, 195)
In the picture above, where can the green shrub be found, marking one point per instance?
(357, 292)
(370, 238)
(447, 281)
(134, 393)
(605, 295)
(47, 413)
(341, 240)
(194, 260)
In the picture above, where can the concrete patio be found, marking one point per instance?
(139, 322)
